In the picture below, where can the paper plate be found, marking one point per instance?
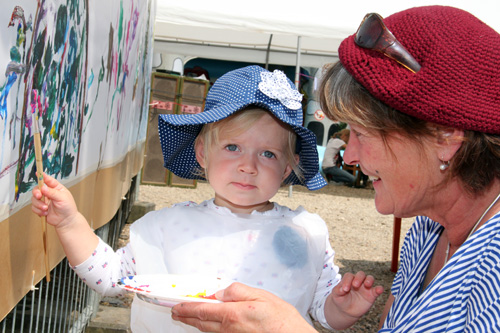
(168, 289)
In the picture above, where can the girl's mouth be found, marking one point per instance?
(244, 186)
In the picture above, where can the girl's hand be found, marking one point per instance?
(55, 202)
(351, 299)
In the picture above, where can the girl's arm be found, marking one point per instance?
(59, 207)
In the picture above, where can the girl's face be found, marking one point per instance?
(403, 180)
(247, 170)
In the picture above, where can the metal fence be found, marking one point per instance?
(65, 304)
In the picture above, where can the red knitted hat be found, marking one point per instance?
(459, 82)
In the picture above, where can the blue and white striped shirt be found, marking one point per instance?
(463, 297)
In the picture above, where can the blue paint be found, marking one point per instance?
(4, 93)
(290, 247)
(91, 79)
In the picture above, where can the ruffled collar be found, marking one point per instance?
(276, 211)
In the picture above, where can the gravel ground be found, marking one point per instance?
(360, 236)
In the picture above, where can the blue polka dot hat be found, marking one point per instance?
(234, 91)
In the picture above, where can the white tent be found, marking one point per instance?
(246, 31)
(305, 34)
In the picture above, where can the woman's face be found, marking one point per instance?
(403, 180)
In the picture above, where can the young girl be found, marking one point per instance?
(248, 142)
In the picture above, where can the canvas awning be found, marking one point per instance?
(246, 31)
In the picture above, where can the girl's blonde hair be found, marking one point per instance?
(238, 123)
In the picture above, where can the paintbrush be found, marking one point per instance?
(39, 172)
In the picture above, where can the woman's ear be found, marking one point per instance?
(449, 141)
(199, 149)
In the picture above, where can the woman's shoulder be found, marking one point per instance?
(421, 237)
(424, 224)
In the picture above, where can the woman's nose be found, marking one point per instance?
(350, 154)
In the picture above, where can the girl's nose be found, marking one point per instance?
(248, 164)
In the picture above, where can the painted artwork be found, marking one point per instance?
(85, 67)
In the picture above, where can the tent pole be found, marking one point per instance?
(268, 51)
(297, 64)
(297, 84)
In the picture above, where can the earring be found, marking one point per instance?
(444, 165)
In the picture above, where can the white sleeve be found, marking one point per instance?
(328, 279)
(337, 144)
(102, 270)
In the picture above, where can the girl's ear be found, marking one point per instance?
(449, 141)
(199, 149)
(289, 169)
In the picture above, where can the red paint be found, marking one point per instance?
(208, 297)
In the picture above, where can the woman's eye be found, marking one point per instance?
(268, 154)
(356, 133)
(232, 147)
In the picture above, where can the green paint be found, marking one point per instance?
(14, 54)
(120, 24)
(102, 71)
(61, 27)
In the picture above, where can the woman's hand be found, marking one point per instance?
(245, 309)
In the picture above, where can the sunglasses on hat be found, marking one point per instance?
(373, 34)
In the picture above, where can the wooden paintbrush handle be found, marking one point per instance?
(39, 174)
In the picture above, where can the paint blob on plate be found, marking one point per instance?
(170, 289)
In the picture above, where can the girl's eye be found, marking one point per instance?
(232, 147)
(268, 154)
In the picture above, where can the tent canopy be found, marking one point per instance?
(243, 31)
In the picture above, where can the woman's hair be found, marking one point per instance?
(238, 123)
(342, 98)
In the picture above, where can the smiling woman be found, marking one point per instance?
(396, 192)
(435, 155)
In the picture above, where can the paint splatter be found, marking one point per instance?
(50, 56)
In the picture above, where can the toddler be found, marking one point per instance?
(247, 142)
